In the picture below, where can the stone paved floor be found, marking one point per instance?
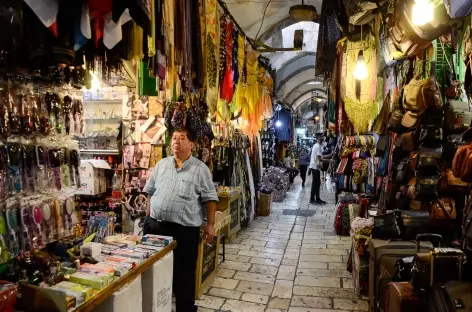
(286, 263)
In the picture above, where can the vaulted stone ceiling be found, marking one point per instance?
(296, 83)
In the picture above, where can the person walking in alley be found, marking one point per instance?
(304, 163)
(316, 163)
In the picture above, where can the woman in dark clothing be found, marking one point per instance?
(304, 163)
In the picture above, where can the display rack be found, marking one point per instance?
(44, 299)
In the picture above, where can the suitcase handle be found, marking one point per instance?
(427, 237)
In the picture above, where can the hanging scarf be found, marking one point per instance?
(227, 85)
(211, 17)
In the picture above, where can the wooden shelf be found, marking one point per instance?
(99, 152)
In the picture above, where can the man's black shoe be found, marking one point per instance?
(314, 202)
(303, 184)
(321, 202)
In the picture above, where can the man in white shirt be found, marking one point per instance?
(316, 161)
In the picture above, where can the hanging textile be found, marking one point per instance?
(227, 85)
(360, 97)
(252, 189)
(239, 99)
(169, 32)
(329, 34)
(211, 17)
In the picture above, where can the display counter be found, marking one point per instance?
(44, 299)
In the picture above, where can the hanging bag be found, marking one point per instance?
(458, 8)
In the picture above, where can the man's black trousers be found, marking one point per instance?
(315, 186)
(185, 259)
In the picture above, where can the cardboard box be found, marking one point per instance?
(93, 168)
(264, 202)
(103, 185)
(88, 187)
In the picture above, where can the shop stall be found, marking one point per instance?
(399, 100)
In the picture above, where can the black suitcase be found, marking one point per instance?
(454, 296)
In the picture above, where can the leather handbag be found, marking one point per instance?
(387, 225)
(431, 134)
(413, 98)
(381, 146)
(395, 121)
(427, 186)
(411, 190)
(414, 223)
(450, 182)
(402, 172)
(408, 141)
(443, 208)
(429, 157)
(457, 116)
(431, 95)
(462, 163)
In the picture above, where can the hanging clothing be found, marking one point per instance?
(211, 35)
(227, 85)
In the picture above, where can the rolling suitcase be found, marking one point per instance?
(383, 257)
(454, 296)
(402, 297)
(439, 265)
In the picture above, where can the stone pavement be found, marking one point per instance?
(286, 263)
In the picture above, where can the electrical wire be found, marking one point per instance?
(262, 22)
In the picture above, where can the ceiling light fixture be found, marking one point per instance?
(360, 72)
(303, 12)
(422, 12)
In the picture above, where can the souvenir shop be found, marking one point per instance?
(399, 95)
(89, 96)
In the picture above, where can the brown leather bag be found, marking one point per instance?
(462, 163)
(402, 297)
(431, 94)
(413, 99)
(443, 208)
(449, 181)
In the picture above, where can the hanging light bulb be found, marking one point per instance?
(360, 72)
(422, 12)
(278, 124)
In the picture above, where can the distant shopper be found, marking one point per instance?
(179, 188)
(316, 162)
(288, 165)
(304, 163)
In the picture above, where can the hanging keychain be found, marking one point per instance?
(11, 216)
(65, 173)
(4, 114)
(14, 163)
(25, 112)
(14, 115)
(25, 224)
(68, 209)
(57, 111)
(67, 111)
(29, 161)
(58, 213)
(44, 107)
(47, 214)
(54, 157)
(3, 172)
(32, 101)
(37, 217)
(74, 163)
(42, 181)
